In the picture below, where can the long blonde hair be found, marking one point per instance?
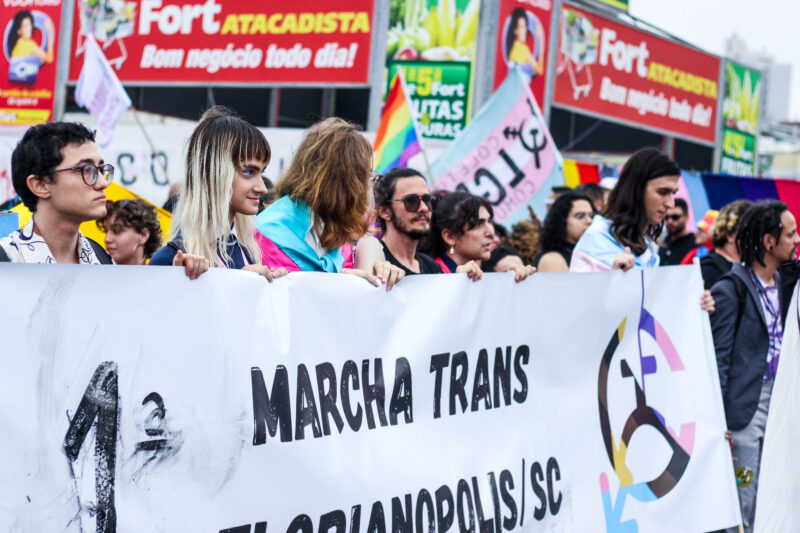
(330, 173)
(220, 144)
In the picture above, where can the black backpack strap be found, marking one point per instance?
(4, 256)
(177, 245)
(100, 252)
(741, 295)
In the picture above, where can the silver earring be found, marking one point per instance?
(452, 250)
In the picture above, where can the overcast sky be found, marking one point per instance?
(771, 25)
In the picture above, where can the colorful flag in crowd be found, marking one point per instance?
(505, 154)
(100, 91)
(398, 138)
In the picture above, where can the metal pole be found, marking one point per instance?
(485, 52)
(718, 131)
(377, 63)
(552, 59)
(64, 56)
(274, 102)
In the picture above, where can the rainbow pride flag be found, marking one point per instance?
(398, 139)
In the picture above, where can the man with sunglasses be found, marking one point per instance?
(60, 176)
(679, 241)
(404, 205)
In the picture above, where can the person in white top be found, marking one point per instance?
(59, 174)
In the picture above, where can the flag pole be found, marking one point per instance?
(402, 80)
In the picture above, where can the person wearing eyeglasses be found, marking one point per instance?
(404, 206)
(679, 240)
(132, 230)
(462, 234)
(322, 206)
(214, 219)
(59, 174)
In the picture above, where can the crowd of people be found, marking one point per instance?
(331, 213)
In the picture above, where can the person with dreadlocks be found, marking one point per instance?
(748, 330)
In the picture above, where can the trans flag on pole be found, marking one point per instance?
(100, 91)
(398, 138)
(506, 154)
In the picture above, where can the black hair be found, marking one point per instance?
(39, 153)
(501, 231)
(516, 14)
(384, 187)
(626, 208)
(762, 218)
(458, 212)
(16, 24)
(497, 254)
(681, 203)
(593, 190)
(136, 214)
(554, 231)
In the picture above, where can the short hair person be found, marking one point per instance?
(59, 174)
(133, 232)
(680, 241)
(748, 330)
(404, 205)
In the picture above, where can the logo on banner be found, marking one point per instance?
(651, 335)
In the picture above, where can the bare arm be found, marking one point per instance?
(368, 252)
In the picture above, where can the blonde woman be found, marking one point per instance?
(214, 219)
(322, 206)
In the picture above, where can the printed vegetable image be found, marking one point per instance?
(433, 30)
(742, 98)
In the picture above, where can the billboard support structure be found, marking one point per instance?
(488, 27)
(377, 62)
(552, 60)
(720, 101)
(63, 60)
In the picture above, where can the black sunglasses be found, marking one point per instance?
(674, 218)
(412, 202)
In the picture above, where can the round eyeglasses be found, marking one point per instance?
(90, 172)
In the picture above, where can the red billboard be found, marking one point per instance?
(227, 41)
(28, 61)
(522, 40)
(615, 71)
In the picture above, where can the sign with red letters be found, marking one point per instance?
(616, 71)
(226, 41)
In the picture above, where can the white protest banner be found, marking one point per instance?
(505, 154)
(133, 399)
(100, 91)
(779, 479)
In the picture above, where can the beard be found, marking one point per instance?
(415, 234)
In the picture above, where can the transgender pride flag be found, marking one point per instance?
(505, 154)
(397, 139)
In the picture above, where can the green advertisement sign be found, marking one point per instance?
(742, 98)
(439, 92)
(619, 4)
(740, 108)
(434, 41)
(738, 153)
